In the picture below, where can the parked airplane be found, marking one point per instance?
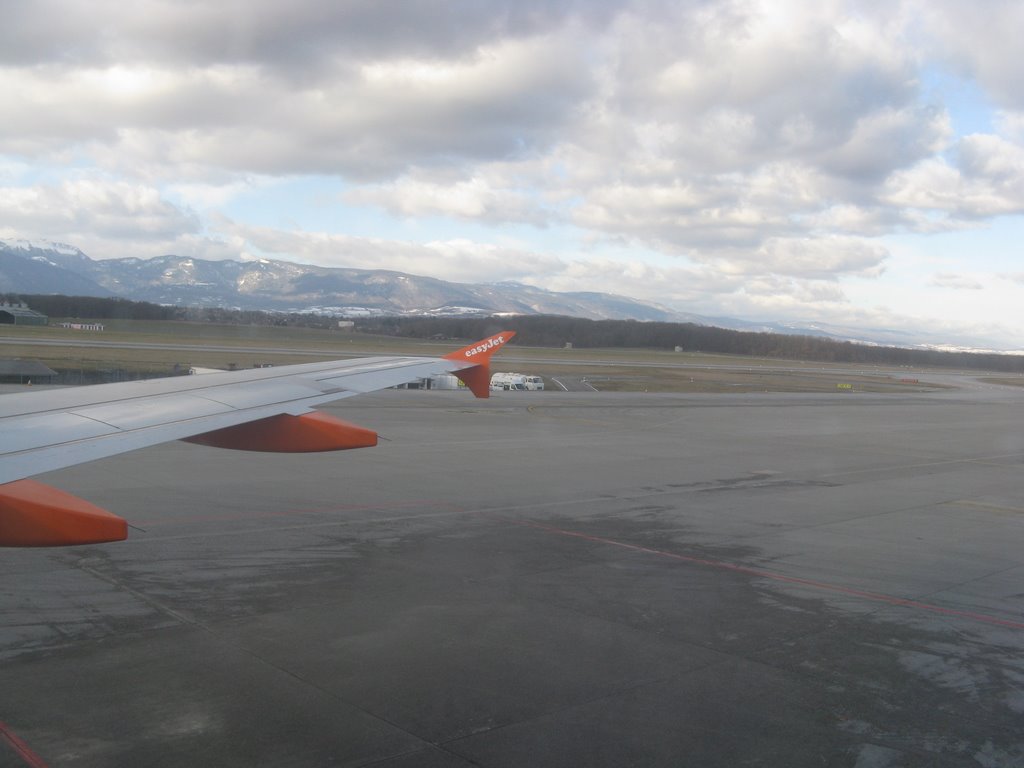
(266, 409)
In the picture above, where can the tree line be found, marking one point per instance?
(556, 331)
(544, 331)
(94, 307)
(105, 308)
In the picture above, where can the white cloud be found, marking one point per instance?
(956, 282)
(886, 140)
(753, 80)
(681, 286)
(778, 295)
(982, 40)
(81, 208)
(852, 219)
(821, 258)
(454, 260)
(763, 147)
(987, 180)
(210, 195)
(361, 119)
(297, 38)
(1010, 123)
(476, 198)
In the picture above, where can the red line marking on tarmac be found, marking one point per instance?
(721, 564)
(20, 747)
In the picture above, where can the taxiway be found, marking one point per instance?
(544, 579)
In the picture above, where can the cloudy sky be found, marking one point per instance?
(859, 163)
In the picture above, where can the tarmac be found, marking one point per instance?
(544, 579)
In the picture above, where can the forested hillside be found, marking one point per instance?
(551, 331)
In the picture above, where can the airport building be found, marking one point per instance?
(20, 314)
(83, 326)
(25, 372)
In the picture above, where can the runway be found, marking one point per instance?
(544, 579)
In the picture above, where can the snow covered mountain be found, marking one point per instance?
(30, 267)
(266, 284)
(43, 267)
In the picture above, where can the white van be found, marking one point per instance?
(514, 382)
(517, 382)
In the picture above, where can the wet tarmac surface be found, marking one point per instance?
(544, 579)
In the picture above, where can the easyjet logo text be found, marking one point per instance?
(495, 341)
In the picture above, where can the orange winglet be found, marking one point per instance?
(36, 515)
(283, 433)
(478, 378)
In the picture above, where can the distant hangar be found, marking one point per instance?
(20, 314)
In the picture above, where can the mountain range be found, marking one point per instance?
(265, 284)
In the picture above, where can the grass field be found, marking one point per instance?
(185, 344)
(165, 347)
(719, 380)
(1006, 381)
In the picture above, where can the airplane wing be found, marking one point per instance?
(266, 409)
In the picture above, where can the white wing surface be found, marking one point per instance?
(261, 409)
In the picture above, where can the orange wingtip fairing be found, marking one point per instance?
(478, 378)
(309, 433)
(36, 515)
